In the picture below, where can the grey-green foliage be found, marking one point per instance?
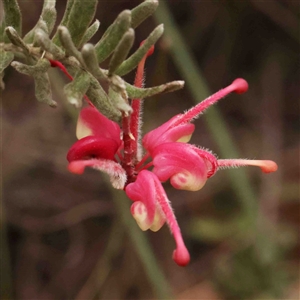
(41, 79)
(12, 15)
(76, 89)
(5, 59)
(68, 46)
(46, 22)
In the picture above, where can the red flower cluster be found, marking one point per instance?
(103, 145)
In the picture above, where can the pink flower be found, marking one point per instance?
(104, 146)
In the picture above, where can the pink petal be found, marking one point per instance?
(151, 196)
(92, 122)
(143, 190)
(116, 173)
(181, 164)
(93, 147)
(167, 133)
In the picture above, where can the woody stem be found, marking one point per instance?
(129, 150)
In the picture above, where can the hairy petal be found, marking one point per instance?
(168, 133)
(114, 170)
(93, 147)
(151, 208)
(143, 190)
(180, 163)
(92, 122)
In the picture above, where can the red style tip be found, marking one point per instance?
(181, 257)
(269, 166)
(240, 85)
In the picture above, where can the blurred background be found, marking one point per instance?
(63, 236)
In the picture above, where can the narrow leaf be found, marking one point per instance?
(76, 89)
(80, 17)
(49, 14)
(12, 15)
(44, 41)
(29, 38)
(14, 37)
(108, 44)
(64, 20)
(119, 102)
(41, 66)
(90, 32)
(43, 89)
(130, 63)
(142, 12)
(90, 59)
(5, 59)
(2, 28)
(67, 43)
(140, 93)
(41, 79)
(121, 51)
(102, 102)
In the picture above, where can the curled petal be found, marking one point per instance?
(180, 163)
(140, 213)
(143, 190)
(92, 122)
(148, 190)
(116, 173)
(93, 147)
(168, 133)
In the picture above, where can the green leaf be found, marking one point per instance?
(113, 35)
(5, 59)
(141, 93)
(119, 102)
(90, 32)
(48, 16)
(142, 12)
(14, 37)
(80, 17)
(76, 89)
(29, 38)
(67, 43)
(41, 79)
(64, 20)
(90, 59)
(2, 29)
(12, 15)
(44, 41)
(100, 99)
(43, 89)
(132, 62)
(121, 51)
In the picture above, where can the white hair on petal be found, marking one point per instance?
(115, 172)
